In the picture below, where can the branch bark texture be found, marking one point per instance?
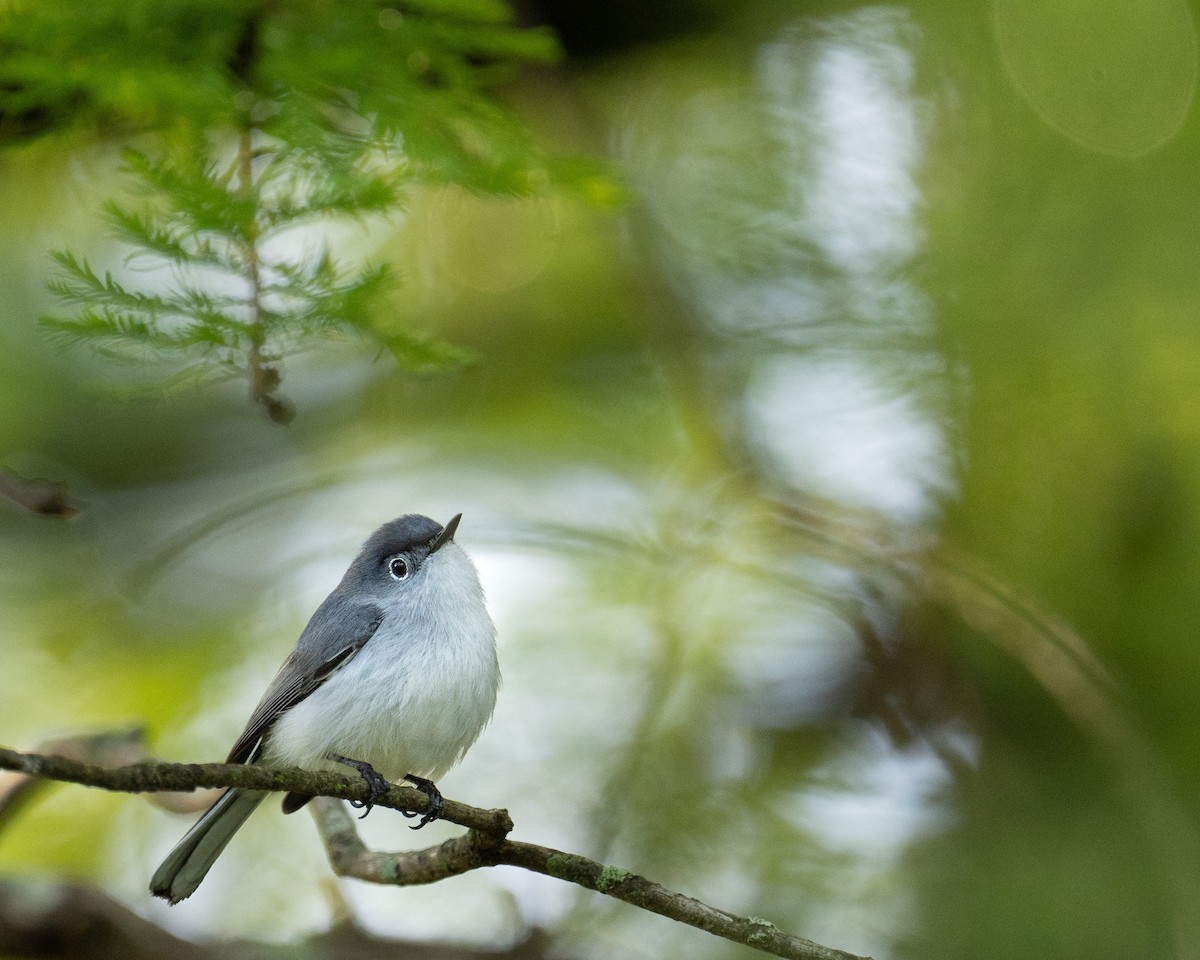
(485, 844)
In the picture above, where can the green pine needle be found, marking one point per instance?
(257, 121)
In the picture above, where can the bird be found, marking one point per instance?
(395, 675)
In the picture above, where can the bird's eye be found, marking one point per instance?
(398, 567)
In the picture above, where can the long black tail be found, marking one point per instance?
(181, 872)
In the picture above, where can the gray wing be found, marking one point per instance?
(336, 632)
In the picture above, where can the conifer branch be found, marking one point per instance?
(255, 141)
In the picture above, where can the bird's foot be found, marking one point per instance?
(429, 788)
(376, 783)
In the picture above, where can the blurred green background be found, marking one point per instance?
(838, 498)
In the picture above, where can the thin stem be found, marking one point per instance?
(350, 857)
(264, 375)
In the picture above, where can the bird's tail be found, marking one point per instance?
(181, 872)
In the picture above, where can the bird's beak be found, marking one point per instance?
(446, 535)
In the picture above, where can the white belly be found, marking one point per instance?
(411, 702)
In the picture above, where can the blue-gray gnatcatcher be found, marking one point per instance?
(395, 675)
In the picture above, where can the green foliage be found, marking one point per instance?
(269, 123)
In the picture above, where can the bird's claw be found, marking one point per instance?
(377, 785)
(429, 788)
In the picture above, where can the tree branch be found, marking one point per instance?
(351, 858)
(151, 776)
(110, 747)
(485, 844)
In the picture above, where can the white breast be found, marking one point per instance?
(417, 695)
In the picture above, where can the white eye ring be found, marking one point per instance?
(399, 568)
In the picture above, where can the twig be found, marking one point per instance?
(150, 776)
(486, 843)
(351, 858)
(264, 376)
(105, 748)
